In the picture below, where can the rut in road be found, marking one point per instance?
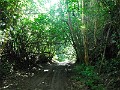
(55, 80)
(59, 79)
(53, 77)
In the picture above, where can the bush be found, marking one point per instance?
(88, 76)
(110, 74)
(4, 70)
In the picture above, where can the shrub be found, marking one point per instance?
(4, 70)
(88, 76)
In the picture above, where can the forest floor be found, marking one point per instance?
(49, 77)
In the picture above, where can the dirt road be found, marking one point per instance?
(52, 77)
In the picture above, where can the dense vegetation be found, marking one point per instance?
(33, 32)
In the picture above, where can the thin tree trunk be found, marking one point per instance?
(86, 57)
(73, 36)
(95, 29)
(103, 55)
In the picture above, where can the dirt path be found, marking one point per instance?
(52, 77)
(59, 81)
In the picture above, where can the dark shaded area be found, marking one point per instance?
(50, 77)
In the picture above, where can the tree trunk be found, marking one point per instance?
(74, 37)
(86, 57)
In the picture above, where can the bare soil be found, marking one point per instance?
(51, 77)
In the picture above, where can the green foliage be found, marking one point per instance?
(88, 76)
(110, 73)
(32, 41)
(8, 19)
(111, 66)
(9, 13)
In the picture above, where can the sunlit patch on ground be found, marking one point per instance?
(46, 70)
(66, 63)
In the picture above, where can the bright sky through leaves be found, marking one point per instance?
(47, 5)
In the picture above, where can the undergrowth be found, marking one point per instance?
(88, 77)
(110, 74)
(107, 79)
(4, 70)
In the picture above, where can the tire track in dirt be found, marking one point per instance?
(59, 79)
(53, 77)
